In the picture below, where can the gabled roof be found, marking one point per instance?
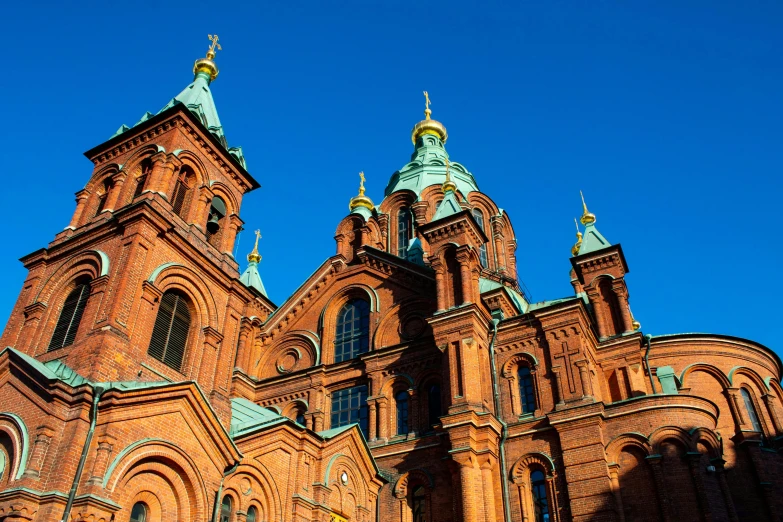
(247, 417)
(448, 206)
(592, 240)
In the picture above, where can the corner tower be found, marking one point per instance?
(142, 284)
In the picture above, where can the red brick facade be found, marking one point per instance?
(479, 406)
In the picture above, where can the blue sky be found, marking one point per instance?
(666, 114)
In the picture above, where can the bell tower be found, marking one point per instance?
(142, 284)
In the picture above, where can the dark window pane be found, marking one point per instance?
(404, 231)
(526, 393)
(419, 505)
(252, 514)
(401, 400)
(540, 504)
(433, 404)
(138, 513)
(349, 406)
(352, 335)
(754, 418)
(225, 510)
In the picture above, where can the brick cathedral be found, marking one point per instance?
(146, 378)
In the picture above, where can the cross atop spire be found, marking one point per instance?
(214, 40)
(427, 102)
(254, 256)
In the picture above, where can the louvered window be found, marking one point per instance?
(170, 333)
(178, 201)
(70, 317)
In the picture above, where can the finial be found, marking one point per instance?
(207, 65)
(578, 244)
(587, 217)
(427, 111)
(448, 185)
(254, 256)
(634, 323)
(361, 200)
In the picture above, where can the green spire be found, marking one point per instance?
(592, 239)
(250, 277)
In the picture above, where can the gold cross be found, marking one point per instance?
(426, 100)
(214, 40)
(361, 183)
(258, 236)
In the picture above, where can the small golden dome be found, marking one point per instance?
(254, 256)
(207, 65)
(361, 200)
(587, 217)
(636, 325)
(449, 184)
(428, 125)
(578, 244)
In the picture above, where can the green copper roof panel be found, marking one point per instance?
(592, 240)
(448, 207)
(248, 416)
(198, 99)
(252, 279)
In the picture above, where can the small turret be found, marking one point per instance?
(250, 277)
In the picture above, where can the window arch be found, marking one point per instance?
(70, 317)
(179, 198)
(404, 231)
(139, 512)
(751, 409)
(171, 330)
(252, 514)
(402, 404)
(352, 335)
(527, 395)
(479, 217)
(538, 489)
(434, 408)
(225, 509)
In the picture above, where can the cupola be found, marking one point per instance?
(428, 125)
(361, 201)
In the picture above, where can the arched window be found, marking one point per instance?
(401, 401)
(107, 185)
(353, 330)
(139, 512)
(540, 504)
(433, 405)
(252, 514)
(144, 175)
(479, 217)
(179, 200)
(225, 509)
(170, 333)
(404, 231)
(419, 505)
(70, 317)
(751, 409)
(527, 397)
(215, 221)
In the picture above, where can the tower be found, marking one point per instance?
(142, 284)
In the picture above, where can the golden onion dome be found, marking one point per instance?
(428, 125)
(578, 244)
(587, 218)
(449, 184)
(361, 200)
(207, 65)
(254, 256)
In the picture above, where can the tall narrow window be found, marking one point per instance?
(252, 514)
(349, 405)
(527, 395)
(139, 512)
(70, 317)
(404, 231)
(401, 400)
(419, 505)
(225, 509)
(479, 217)
(751, 409)
(141, 179)
(353, 330)
(170, 333)
(433, 404)
(181, 189)
(540, 504)
(107, 185)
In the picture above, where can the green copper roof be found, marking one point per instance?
(486, 285)
(592, 240)
(428, 167)
(198, 98)
(448, 207)
(252, 279)
(328, 434)
(247, 417)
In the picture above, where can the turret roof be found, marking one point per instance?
(252, 279)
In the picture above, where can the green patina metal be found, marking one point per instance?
(448, 206)
(252, 279)
(667, 379)
(428, 167)
(248, 417)
(593, 240)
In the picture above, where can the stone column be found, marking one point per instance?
(440, 282)
(470, 509)
(373, 418)
(168, 177)
(732, 394)
(524, 506)
(40, 448)
(621, 292)
(155, 181)
(497, 236)
(201, 213)
(81, 202)
(102, 457)
(584, 376)
(383, 421)
(464, 271)
(614, 479)
(413, 412)
(598, 311)
(488, 484)
(230, 235)
(554, 512)
(114, 192)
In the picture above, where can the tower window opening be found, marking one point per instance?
(751, 409)
(404, 231)
(540, 503)
(141, 179)
(352, 336)
(181, 190)
(170, 333)
(434, 409)
(527, 396)
(70, 317)
(479, 217)
(139, 512)
(107, 186)
(349, 406)
(402, 403)
(215, 221)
